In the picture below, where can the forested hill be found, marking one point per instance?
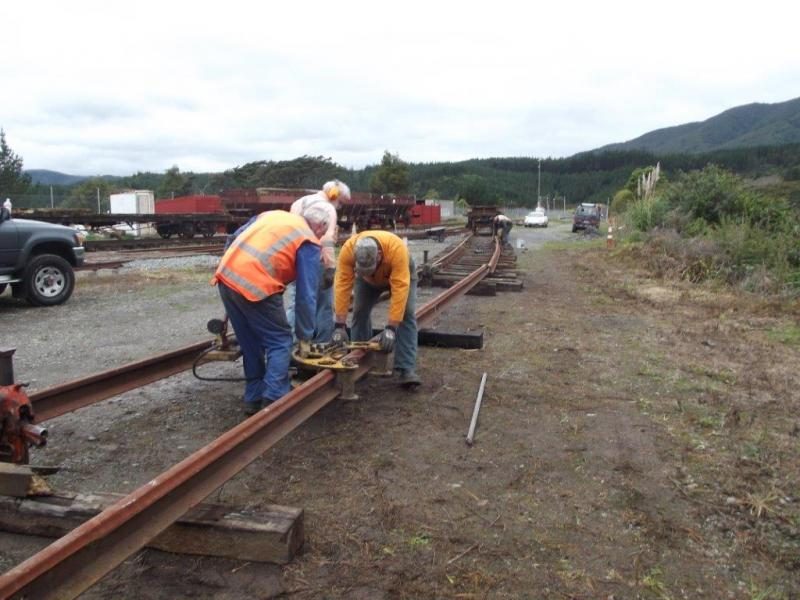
(586, 177)
(744, 126)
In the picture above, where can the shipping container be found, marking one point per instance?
(424, 214)
(135, 202)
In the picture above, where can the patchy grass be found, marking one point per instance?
(788, 334)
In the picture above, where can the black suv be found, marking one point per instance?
(586, 216)
(37, 259)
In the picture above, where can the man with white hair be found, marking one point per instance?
(329, 198)
(370, 263)
(275, 249)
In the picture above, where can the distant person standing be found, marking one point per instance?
(328, 199)
(7, 205)
(5, 211)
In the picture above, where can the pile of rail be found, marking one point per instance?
(79, 559)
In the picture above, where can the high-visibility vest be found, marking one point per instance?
(262, 259)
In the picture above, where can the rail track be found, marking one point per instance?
(79, 559)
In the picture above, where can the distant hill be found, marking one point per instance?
(45, 177)
(744, 126)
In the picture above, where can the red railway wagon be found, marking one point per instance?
(184, 205)
(365, 211)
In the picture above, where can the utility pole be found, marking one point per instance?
(52, 204)
(98, 201)
(539, 187)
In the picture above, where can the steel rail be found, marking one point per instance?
(445, 258)
(66, 397)
(75, 562)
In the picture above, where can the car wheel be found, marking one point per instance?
(574, 229)
(48, 280)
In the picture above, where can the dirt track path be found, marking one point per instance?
(621, 450)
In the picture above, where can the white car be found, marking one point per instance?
(537, 218)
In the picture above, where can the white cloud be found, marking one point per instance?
(91, 87)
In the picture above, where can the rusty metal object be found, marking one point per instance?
(66, 397)
(17, 429)
(79, 559)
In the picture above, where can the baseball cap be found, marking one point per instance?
(366, 252)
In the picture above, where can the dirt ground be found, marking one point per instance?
(638, 439)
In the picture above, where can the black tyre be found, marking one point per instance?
(574, 229)
(48, 280)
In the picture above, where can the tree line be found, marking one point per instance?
(586, 177)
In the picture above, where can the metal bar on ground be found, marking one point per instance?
(474, 423)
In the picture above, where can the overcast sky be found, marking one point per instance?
(113, 88)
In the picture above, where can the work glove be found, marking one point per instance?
(340, 337)
(303, 348)
(386, 339)
(327, 278)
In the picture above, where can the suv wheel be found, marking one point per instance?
(48, 280)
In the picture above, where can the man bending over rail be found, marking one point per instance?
(275, 249)
(373, 262)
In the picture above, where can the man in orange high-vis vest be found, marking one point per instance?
(274, 250)
(370, 263)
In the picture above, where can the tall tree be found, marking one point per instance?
(391, 177)
(12, 180)
(85, 195)
(174, 184)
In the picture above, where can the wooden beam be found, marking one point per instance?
(273, 534)
(446, 339)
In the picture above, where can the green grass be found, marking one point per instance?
(788, 334)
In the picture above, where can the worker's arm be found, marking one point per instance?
(307, 282)
(230, 239)
(328, 240)
(343, 285)
(399, 284)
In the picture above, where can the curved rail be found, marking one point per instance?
(75, 562)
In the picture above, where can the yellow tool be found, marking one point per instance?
(333, 357)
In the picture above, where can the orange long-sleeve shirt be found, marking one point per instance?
(393, 273)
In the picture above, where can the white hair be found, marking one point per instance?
(336, 190)
(317, 217)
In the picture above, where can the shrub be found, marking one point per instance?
(622, 200)
(647, 214)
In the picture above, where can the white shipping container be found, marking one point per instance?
(137, 202)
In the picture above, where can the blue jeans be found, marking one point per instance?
(261, 328)
(364, 298)
(323, 330)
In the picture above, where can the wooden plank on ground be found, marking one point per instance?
(273, 534)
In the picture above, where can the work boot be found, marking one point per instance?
(251, 408)
(409, 379)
